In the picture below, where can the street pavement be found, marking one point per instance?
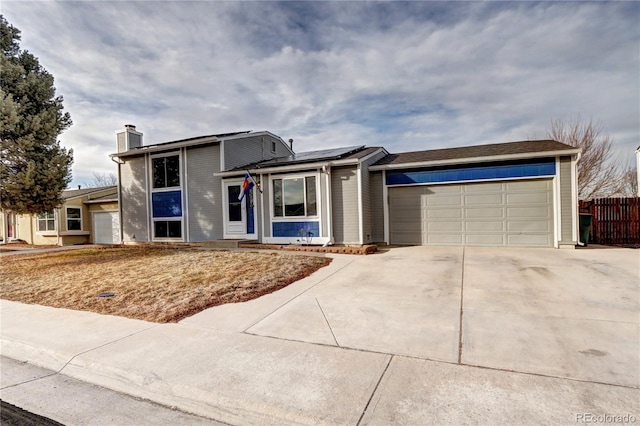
(416, 335)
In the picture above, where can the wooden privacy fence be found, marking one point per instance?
(616, 221)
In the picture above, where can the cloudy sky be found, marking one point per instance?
(406, 76)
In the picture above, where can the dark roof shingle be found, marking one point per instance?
(72, 193)
(477, 151)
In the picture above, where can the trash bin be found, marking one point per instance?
(585, 226)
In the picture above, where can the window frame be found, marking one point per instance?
(80, 219)
(46, 219)
(152, 171)
(179, 219)
(305, 196)
(167, 220)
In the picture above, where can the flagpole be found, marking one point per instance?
(254, 181)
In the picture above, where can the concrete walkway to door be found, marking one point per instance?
(418, 335)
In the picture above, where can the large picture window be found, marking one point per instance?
(295, 197)
(46, 222)
(166, 171)
(74, 219)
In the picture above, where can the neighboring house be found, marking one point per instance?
(511, 194)
(87, 216)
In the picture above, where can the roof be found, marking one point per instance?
(324, 155)
(108, 198)
(74, 193)
(197, 140)
(219, 135)
(520, 148)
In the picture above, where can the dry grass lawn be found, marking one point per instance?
(152, 284)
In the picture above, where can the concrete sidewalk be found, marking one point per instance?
(266, 362)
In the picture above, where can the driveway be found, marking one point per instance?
(411, 336)
(556, 313)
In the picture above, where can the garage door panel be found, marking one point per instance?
(485, 239)
(486, 212)
(528, 185)
(528, 226)
(106, 228)
(442, 201)
(531, 212)
(485, 226)
(444, 213)
(518, 213)
(474, 200)
(484, 187)
(442, 226)
(528, 198)
(444, 189)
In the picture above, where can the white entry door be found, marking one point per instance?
(239, 215)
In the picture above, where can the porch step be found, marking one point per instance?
(228, 243)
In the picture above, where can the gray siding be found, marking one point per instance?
(134, 200)
(266, 197)
(240, 152)
(566, 201)
(367, 209)
(122, 142)
(377, 206)
(204, 193)
(344, 205)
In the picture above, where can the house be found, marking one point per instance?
(509, 194)
(87, 216)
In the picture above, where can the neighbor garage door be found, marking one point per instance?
(507, 213)
(106, 228)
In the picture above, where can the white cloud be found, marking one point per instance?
(405, 76)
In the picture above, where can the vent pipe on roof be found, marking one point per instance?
(291, 144)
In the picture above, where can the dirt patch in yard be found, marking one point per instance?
(152, 284)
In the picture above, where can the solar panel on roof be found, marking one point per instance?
(303, 157)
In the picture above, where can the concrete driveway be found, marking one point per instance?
(411, 336)
(559, 313)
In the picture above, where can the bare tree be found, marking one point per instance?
(598, 176)
(102, 179)
(629, 183)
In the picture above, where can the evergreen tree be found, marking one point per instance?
(34, 168)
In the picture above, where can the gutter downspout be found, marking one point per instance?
(120, 230)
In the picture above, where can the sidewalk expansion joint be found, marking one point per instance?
(375, 389)
(328, 324)
(35, 379)
(296, 296)
(103, 345)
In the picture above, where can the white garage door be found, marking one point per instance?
(106, 227)
(509, 213)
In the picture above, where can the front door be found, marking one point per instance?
(11, 226)
(239, 213)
